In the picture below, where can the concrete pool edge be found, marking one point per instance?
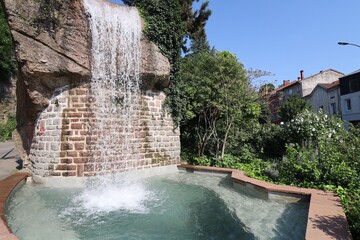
(7, 186)
(326, 218)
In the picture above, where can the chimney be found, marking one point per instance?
(301, 74)
(285, 83)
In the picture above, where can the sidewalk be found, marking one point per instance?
(10, 161)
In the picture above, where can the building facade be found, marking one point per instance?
(350, 97)
(326, 97)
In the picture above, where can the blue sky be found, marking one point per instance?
(286, 36)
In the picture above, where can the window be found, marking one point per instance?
(290, 91)
(332, 95)
(354, 85)
(348, 104)
(333, 108)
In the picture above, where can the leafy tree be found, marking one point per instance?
(292, 107)
(195, 22)
(7, 56)
(217, 95)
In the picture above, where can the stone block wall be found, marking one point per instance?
(66, 136)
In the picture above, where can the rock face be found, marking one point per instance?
(53, 48)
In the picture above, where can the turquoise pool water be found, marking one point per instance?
(173, 206)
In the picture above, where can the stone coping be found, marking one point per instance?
(326, 218)
(6, 187)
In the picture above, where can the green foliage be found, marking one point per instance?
(318, 157)
(7, 128)
(217, 98)
(292, 107)
(251, 165)
(325, 157)
(309, 126)
(269, 139)
(194, 22)
(163, 25)
(7, 55)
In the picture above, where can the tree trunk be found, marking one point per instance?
(225, 139)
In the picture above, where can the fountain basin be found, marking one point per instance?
(265, 191)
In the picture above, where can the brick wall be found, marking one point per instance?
(66, 136)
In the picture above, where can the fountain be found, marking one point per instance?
(88, 98)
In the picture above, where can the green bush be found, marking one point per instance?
(269, 139)
(7, 128)
(325, 156)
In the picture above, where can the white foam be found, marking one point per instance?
(130, 198)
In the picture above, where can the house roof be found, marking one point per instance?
(329, 85)
(285, 86)
(325, 86)
(352, 73)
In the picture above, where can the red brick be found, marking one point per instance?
(65, 167)
(79, 146)
(68, 174)
(81, 160)
(72, 154)
(73, 114)
(74, 99)
(80, 170)
(78, 105)
(66, 160)
(89, 115)
(76, 139)
(67, 146)
(81, 92)
(76, 126)
(84, 154)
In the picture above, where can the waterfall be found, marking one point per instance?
(115, 68)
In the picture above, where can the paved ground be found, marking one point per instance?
(9, 159)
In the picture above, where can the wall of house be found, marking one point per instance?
(322, 98)
(334, 98)
(294, 89)
(319, 100)
(353, 114)
(328, 76)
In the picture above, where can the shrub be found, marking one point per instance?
(7, 128)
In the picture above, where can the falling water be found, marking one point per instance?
(115, 68)
(116, 32)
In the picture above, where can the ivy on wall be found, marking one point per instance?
(164, 27)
